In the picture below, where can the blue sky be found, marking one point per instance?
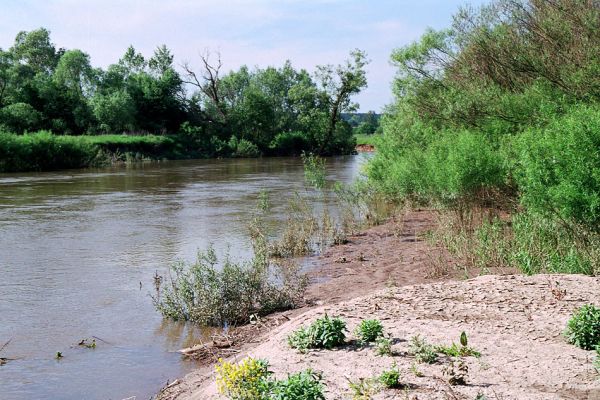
(251, 32)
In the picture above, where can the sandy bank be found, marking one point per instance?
(514, 321)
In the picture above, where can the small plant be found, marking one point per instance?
(314, 170)
(364, 389)
(305, 385)
(391, 378)
(583, 329)
(423, 351)
(369, 330)
(247, 380)
(324, 332)
(456, 372)
(415, 370)
(455, 350)
(383, 346)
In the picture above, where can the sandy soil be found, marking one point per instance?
(514, 321)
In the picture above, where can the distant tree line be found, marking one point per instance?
(248, 112)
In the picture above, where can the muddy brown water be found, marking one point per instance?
(78, 251)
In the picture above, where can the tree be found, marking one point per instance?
(339, 84)
(35, 50)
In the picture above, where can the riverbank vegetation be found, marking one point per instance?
(497, 122)
(205, 111)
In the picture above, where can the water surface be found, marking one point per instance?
(78, 250)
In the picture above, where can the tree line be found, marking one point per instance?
(245, 112)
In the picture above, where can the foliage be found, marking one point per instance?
(247, 380)
(363, 389)
(244, 113)
(455, 350)
(314, 170)
(391, 378)
(251, 379)
(369, 330)
(211, 294)
(305, 385)
(583, 329)
(324, 332)
(500, 111)
(422, 351)
(383, 346)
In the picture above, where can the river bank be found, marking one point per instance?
(514, 321)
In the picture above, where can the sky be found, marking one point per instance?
(251, 32)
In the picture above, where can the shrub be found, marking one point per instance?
(583, 329)
(422, 351)
(558, 169)
(324, 332)
(243, 148)
(289, 143)
(209, 294)
(391, 378)
(314, 170)
(305, 385)
(247, 380)
(369, 330)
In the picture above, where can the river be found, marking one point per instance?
(78, 251)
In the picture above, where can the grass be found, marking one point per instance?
(362, 139)
(42, 151)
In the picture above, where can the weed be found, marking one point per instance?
(305, 385)
(455, 350)
(324, 332)
(247, 380)
(383, 346)
(583, 329)
(364, 389)
(212, 294)
(390, 378)
(457, 372)
(415, 370)
(422, 351)
(369, 330)
(314, 170)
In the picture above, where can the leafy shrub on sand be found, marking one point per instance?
(251, 379)
(247, 380)
(305, 385)
(422, 351)
(369, 330)
(383, 346)
(583, 329)
(323, 333)
(390, 378)
(455, 350)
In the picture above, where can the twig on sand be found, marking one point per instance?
(5, 344)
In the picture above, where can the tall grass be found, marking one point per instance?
(43, 151)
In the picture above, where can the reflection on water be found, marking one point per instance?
(78, 250)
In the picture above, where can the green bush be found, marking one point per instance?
(583, 329)
(242, 148)
(558, 171)
(289, 143)
(369, 330)
(305, 385)
(391, 378)
(19, 118)
(325, 333)
(211, 294)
